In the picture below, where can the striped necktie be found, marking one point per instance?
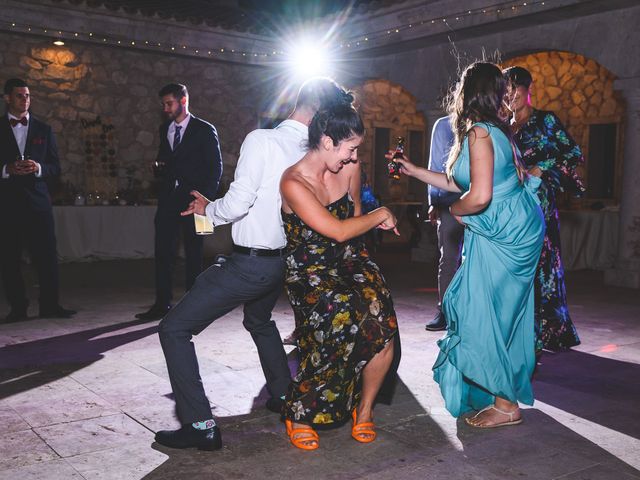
(176, 137)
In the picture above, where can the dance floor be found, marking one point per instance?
(82, 398)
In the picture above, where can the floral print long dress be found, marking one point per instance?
(344, 316)
(545, 143)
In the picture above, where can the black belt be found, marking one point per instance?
(258, 252)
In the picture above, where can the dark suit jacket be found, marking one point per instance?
(28, 192)
(196, 164)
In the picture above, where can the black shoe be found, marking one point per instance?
(15, 316)
(275, 405)
(290, 339)
(189, 437)
(156, 312)
(56, 312)
(437, 324)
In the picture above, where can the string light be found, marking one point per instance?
(349, 42)
(499, 8)
(136, 43)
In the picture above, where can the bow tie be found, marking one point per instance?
(15, 121)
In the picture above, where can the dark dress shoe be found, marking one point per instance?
(15, 316)
(275, 405)
(290, 339)
(437, 324)
(189, 437)
(56, 312)
(156, 312)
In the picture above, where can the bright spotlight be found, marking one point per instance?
(308, 59)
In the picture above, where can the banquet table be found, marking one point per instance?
(104, 232)
(91, 233)
(589, 239)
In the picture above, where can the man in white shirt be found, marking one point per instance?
(252, 276)
(28, 157)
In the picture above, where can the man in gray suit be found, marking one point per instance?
(450, 232)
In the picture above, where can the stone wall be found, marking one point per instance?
(102, 103)
(577, 89)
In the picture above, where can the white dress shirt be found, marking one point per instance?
(171, 131)
(253, 201)
(20, 133)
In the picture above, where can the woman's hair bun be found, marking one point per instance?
(346, 98)
(341, 99)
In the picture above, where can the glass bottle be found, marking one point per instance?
(394, 167)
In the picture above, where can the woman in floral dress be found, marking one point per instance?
(551, 154)
(345, 319)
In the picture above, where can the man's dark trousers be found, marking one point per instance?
(35, 231)
(169, 225)
(450, 235)
(254, 281)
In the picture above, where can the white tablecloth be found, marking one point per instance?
(104, 233)
(589, 239)
(109, 233)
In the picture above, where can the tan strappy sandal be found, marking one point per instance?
(511, 421)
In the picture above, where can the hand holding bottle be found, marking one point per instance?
(394, 168)
(405, 166)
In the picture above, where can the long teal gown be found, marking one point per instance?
(489, 348)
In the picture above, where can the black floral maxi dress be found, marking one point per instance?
(344, 316)
(545, 143)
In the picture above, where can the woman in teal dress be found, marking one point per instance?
(487, 356)
(345, 321)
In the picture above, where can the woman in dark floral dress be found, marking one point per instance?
(344, 313)
(551, 154)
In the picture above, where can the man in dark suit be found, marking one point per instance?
(28, 156)
(188, 159)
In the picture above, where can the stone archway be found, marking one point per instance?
(581, 92)
(390, 111)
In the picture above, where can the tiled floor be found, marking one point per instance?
(82, 398)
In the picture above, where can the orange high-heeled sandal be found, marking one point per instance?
(362, 432)
(310, 442)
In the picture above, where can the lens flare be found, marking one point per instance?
(309, 59)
